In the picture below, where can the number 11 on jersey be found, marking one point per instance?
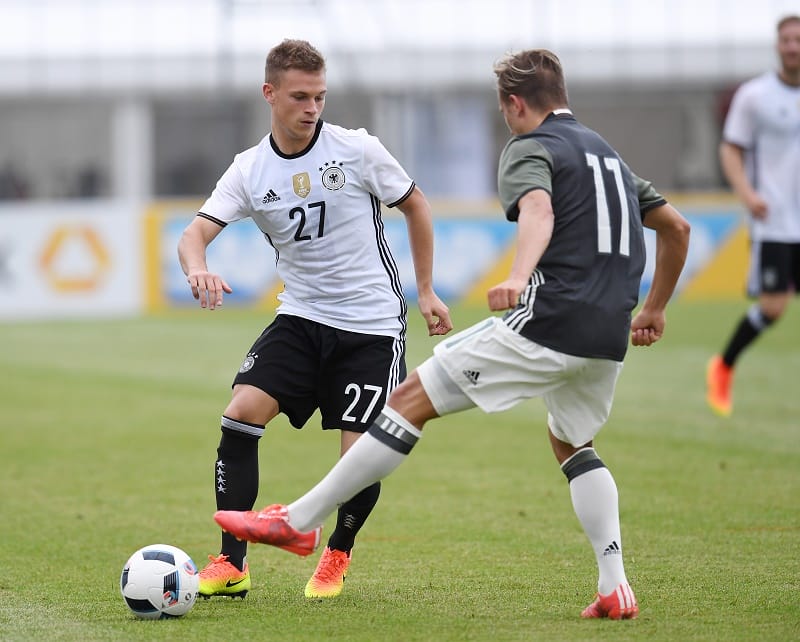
(603, 211)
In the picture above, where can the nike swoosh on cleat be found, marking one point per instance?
(228, 584)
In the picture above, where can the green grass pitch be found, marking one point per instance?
(109, 431)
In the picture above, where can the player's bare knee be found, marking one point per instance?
(563, 450)
(251, 405)
(403, 393)
(411, 401)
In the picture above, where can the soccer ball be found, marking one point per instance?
(159, 581)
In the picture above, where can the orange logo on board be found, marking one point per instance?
(82, 239)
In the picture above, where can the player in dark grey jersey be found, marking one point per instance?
(572, 288)
(579, 306)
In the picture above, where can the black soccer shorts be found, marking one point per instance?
(775, 267)
(307, 365)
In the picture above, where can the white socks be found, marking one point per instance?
(595, 500)
(370, 459)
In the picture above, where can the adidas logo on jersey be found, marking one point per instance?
(612, 549)
(472, 375)
(270, 197)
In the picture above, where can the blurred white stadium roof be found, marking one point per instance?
(57, 46)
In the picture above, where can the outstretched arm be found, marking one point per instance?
(419, 222)
(672, 244)
(206, 287)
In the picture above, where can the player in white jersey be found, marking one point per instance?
(337, 342)
(760, 156)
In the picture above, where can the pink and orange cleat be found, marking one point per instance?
(719, 377)
(220, 577)
(328, 579)
(269, 526)
(620, 604)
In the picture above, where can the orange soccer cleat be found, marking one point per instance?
(719, 377)
(269, 526)
(220, 577)
(620, 604)
(328, 579)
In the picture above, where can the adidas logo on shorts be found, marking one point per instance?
(472, 375)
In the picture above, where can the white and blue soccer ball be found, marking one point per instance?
(159, 581)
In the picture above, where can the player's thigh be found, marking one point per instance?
(357, 377)
(284, 363)
(580, 406)
(445, 396)
(493, 366)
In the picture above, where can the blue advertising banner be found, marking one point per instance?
(466, 251)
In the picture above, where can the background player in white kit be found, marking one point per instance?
(760, 156)
(338, 340)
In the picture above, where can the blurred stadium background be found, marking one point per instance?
(118, 116)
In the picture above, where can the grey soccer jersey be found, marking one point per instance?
(320, 210)
(580, 297)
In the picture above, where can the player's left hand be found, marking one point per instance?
(644, 337)
(647, 327)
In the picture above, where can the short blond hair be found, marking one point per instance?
(292, 54)
(535, 75)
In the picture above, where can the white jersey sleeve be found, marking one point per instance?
(229, 201)
(383, 175)
(740, 123)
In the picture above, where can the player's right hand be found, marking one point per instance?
(208, 288)
(505, 295)
(757, 206)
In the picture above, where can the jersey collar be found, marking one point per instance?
(302, 152)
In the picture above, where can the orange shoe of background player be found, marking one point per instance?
(719, 378)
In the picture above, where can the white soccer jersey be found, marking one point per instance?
(321, 212)
(764, 119)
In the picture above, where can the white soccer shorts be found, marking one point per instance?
(490, 366)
